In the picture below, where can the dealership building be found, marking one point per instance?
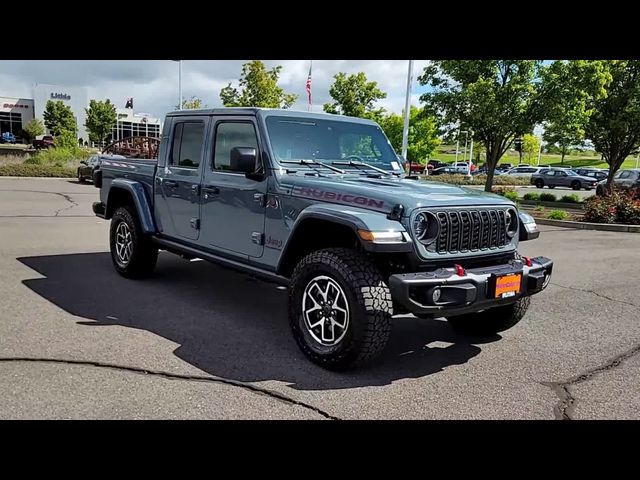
(15, 113)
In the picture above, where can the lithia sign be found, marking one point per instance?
(60, 96)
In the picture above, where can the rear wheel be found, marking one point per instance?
(539, 183)
(132, 252)
(491, 321)
(339, 308)
(80, 177)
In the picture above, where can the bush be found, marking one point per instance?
(539, 209)
(478, 179)
(30, 170)
(618, 207)
(532, 196)
(557, 215)
(59, 156)
(511, 195)
(502, 190)
(573, 198)
(547, 197)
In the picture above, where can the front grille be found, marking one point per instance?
(470, 230)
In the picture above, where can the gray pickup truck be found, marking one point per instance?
(320, 203)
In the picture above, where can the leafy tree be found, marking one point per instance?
(530, 145)
(101, 117)
(423, 138)
(354, 96)
(192, 103)
(33, 128)
(614, 126)
(561, 136)
(67, 140)
(502, 99)
(258, 88)
(59, 118)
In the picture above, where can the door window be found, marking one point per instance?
(188, 138)
(230, 135)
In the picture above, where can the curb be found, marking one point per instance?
(609, 227)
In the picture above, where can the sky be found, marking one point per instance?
(153, 84)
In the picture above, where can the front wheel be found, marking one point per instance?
(340, 308)
(539, 183)
(80, 177)
(576, 185)
(491, 321)
(132, 252)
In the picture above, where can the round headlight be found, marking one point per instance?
(420, 225)
(511, 222)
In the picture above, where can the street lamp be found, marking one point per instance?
(179, 83)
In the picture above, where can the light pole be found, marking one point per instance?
(466, 138)
(179, 83)
(407, 109)
(457, 145)
(471, 151)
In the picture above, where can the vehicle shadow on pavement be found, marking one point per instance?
(231, 325)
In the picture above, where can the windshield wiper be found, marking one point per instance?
(312, 162)
(367, 165)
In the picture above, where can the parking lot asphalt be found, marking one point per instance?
(199, 341)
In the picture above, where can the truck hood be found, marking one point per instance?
(382, 194)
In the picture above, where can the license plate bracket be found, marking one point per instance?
(505, 285)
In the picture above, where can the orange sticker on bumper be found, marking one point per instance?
(508, 284)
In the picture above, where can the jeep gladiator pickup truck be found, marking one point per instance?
(320, 203)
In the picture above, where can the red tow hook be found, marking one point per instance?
(527, 261)
(459, 270)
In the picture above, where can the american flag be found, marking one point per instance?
(308, 86)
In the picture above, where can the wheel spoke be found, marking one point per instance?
(325, 310)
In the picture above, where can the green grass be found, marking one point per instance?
(585, 159)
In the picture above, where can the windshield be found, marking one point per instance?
(571, 173)
(328, 141)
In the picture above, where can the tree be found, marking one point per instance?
(562, 136)
(614, 126)
(192, 103)
(354, 96)
(33, 128)
(530, 145)
(423, 138)
(259, 88)
(502, 99)
(101, 117)
(59, 118)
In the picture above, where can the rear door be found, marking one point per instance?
(625, 179)
(178, 183)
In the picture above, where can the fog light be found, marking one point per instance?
(436, 294)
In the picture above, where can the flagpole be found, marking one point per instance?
(310, 67)
(407, 108)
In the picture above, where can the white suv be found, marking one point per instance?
(523, 171)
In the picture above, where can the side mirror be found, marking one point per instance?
(528, 227)
(244, 159)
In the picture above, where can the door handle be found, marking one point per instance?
(171, 184)
(211, 189)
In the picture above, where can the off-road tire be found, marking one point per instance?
(144, 254)
(539, 183)
(369, 301)
(491, 321)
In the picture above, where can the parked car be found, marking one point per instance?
(446, 170)
(7, 137)
(436, 164)
(623, 180)
(504, 167)
(43, 141)
(557, 177)
(523, 171)
(87, 168)
(283, 195)
(597, 174)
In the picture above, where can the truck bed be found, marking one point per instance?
(136, 169)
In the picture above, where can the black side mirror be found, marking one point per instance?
(244, 159)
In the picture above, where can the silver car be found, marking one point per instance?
(557, 177)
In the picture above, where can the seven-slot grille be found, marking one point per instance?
(470, 230)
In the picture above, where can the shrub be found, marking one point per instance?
(478, 179)
(59, 156)
(30, 170)
(573, 198)
(502, 190)
(539, 209)
(532, 196)
(557, 215)
(618, 207)
(511, 195)
(547, 197)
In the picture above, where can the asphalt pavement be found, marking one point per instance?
(199, 341)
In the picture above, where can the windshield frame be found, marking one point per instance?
(394, 160)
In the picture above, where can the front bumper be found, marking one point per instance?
(467, 293)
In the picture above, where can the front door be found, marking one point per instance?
(178, 183)
(233, 205)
